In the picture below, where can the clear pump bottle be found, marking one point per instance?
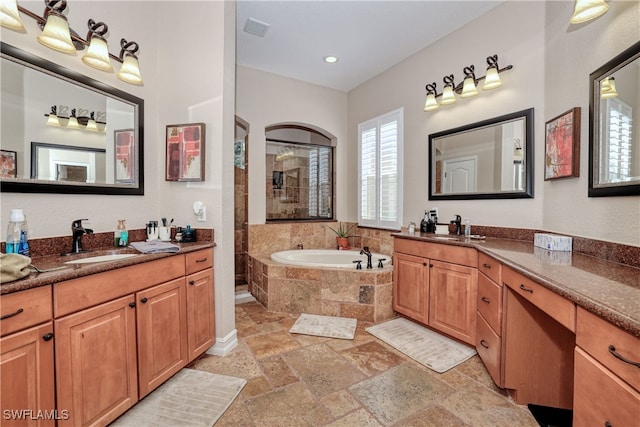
(17, 234)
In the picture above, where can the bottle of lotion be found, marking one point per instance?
(121, 235)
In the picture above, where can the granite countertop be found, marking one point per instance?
(608, 289)
(73, 271)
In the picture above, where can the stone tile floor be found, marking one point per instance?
(300, 380)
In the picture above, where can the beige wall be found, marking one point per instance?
(552, 61)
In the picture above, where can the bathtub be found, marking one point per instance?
(329, 258)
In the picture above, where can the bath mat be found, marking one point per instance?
(190, 398)
(244, 296)
(423, 345)
(325, 326)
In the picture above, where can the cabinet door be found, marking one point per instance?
(452, 300)
(26, 369)
(411, 286)
(200, 312)
(162, 333)
(96, 363)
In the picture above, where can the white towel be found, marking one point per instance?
(154, 246)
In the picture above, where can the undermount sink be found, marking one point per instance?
(445, 237)
(101, 258)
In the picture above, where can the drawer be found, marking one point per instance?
(23, 309)
(199, 260)
(596, 336)
(489, 347)
(600, 397)
(490, 267)
(559, 308)
(77, 294)
(490, 302)
(438, 251)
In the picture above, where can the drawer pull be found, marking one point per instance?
(484, 344)
(485, 265)
(524, 288)
(485, 300)
(192, 282)
(47, 337)
(6, 316)
(613, 351)
(202, 260)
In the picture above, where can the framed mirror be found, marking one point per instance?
(92, 131)
(614, 126)
(490, 159)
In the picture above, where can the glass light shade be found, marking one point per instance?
(492, 79)
(10, 16)
(53, 120)
(448, 96)
(92, 126)
(73, 123)
(56, 34)
(97, 55)
(469, 88)
(587, 10)
(130, 70)
(608, 88)
(431, 103)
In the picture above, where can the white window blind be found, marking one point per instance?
(617, 131)
(379, 166)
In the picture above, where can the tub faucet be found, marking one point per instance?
(365, 251)
(78, 231)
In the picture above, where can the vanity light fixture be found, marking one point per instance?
(468, 88)
(80, 119)
(608, 88)
(587, 10)
(57, 35)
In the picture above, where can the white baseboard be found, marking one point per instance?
(224, 345)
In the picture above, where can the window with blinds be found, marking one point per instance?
(379, 166)
(616, 159)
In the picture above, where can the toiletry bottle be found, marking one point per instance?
(424, 222)
(467, 227)
(121, 235)
(17, 234)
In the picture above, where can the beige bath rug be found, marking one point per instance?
(325, 326)
(423, 345)
(190, 398)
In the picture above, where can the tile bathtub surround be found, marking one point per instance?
(304, 380)
(363, 295)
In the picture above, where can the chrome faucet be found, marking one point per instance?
(78, 231)
(365, 251)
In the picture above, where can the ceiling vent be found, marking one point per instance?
(255, 27)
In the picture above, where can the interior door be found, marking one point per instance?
(460, 175)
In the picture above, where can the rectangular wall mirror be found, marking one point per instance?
(90, 160)
(614, 126)
(491, 159)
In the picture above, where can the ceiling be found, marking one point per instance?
(368, 37)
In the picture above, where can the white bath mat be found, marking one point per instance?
(423, 345)
(190, 398)
(325, 326)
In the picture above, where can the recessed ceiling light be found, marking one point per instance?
(330, 59)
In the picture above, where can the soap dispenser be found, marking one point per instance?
(424, 223)
(121, 235)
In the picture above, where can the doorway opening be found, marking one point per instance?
(241, 195)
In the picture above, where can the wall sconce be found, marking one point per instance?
(587, 10)
(608, 88)
(468, 88)
(57, 35)
(80, 119)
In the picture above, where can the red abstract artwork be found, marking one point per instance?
(185, 152)
(562, 145)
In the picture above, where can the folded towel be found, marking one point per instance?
(14, 267)
(154, 247)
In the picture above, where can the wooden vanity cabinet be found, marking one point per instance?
(200, 302)
(489, 317)
(26, 359)
(606, 387)
(436, 285)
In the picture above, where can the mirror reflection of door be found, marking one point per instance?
(460, 175)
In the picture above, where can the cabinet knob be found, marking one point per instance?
(132, 304)
(144, 300)
(608, 424)
(485, 265)
(192, 282)
(430, 265)
(48, 337)
(424, 264)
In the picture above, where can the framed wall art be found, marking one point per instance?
(8, 164)
(562, 145)
(124, 157)
(185, 152)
